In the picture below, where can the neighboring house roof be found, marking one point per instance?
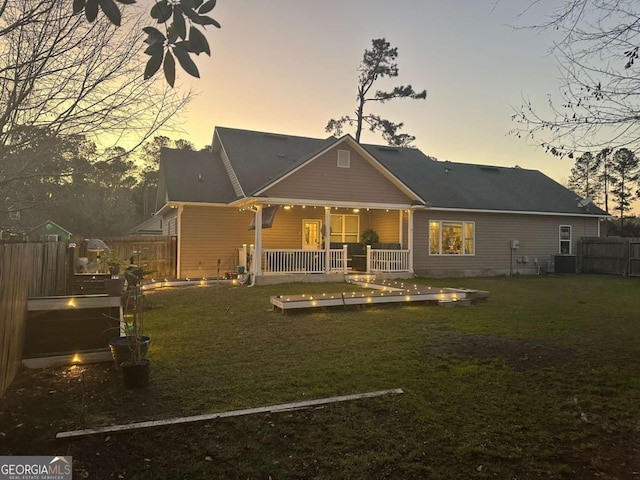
(150, 226)
(52, 227)
(259, 159)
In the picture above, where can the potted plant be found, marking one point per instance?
(369, 237)
(111, 264)
(134, 345)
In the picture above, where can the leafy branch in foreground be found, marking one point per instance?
(182, 20)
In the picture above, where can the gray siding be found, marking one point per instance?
(538, 236)
(322, 179)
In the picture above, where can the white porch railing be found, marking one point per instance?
(338, 260)
(293, 261)
(288, 261)
(388, 261)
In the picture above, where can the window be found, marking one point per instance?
(345, 228)
(452, 238)
(344, 158)
(565, 239)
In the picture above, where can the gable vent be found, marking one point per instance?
(344, 158)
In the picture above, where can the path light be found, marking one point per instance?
(71, 302)
(76, 359)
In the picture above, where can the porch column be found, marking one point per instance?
(327, 239)
(257, 256)
(179, 246)
(401, 228)
(410, 239)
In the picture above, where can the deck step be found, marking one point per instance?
(360, 277)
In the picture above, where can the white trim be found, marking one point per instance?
(233, 178)
(322, 203)
(257, 255)
(515, 212)
(366, 155)
(326, 239)
(171, 204)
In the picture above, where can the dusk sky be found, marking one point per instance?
(289, 66)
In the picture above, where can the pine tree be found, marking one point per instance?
(625, 173)
(584, 179)
(377, 63)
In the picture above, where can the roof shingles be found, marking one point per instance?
(259, 159)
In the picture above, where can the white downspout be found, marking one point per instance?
(410, 239)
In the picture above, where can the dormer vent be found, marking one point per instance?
(344, 159)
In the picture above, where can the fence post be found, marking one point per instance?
(71, 267)
(627, 257)
(579, 257)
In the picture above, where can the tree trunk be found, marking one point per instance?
(359, 113)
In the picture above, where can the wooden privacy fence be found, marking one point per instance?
(15, 268)
(156, 253)
(610, 255)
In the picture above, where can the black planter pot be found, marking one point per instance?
(121, 349)
(136, 375)
(114, 286)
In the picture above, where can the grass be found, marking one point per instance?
(541, 380)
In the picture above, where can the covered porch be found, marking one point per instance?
(328, 240)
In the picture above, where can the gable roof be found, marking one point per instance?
(259, 159)
(450, 185)
(188, 176)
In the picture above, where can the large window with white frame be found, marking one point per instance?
(565, 239)
(452, 238)
(345, 228)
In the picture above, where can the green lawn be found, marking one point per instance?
(542, 380)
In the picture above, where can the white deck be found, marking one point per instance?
(381, 292)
